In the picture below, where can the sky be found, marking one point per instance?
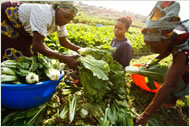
(138, 7)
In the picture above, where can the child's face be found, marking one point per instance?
(158, 47)
(120, 29)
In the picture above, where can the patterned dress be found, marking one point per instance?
(19, 21)
(12, 33)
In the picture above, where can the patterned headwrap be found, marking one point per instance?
(67, 5)
(161, 21)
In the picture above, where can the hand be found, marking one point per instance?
(141, 120)
(71, 61)
(152, 62)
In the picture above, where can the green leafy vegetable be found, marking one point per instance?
(63, 113)
(31, 69)
(99, 68)
(156, 72)
(72, 107)
(8, 71)
(32, 78)
(8, 78)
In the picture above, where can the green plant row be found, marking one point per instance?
(92, 20)
(87, 36)
(90, 36)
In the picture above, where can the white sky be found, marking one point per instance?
(138, 7)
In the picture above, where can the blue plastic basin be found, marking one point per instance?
(26, 96)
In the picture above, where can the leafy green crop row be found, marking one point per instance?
(90, 36)
(92, 20)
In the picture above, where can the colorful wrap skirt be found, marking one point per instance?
(15, 41)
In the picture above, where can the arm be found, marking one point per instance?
(65, 43)
(162, 56)
(38, 46)
(157, 59)
(173, 75)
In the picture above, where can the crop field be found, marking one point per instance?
(118, 102)
(90, 36)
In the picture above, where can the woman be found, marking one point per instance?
(25, 25)
(124, 51)
(165, 34)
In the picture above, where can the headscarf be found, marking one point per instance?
(67, 6)
(161, 21)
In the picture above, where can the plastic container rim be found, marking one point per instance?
(39, 84)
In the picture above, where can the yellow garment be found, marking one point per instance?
(11, 54)
(12, 15)
(9, 28)
(157, 14)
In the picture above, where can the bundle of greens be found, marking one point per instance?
(97, 52)
(100, 75)
(155, 73)
(30, 70)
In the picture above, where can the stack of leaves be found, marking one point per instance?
(103, 80)
(100, 75)
(94, 78)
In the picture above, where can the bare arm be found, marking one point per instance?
(40, 47)
(157, 59)
(65, 43)
(162, 56)
(173, 75)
